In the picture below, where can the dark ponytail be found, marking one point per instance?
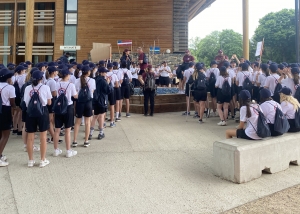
(296, 79)
(247, 104)
(35, 82)
(82, 81)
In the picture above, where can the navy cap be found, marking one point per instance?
(295, 71)
(191, 64)
(281, 66)
(19, 68)
(33, 70)
(198, 66)
(79, 66)
(115, 64)
(110, 65)
(37, 75)
(70, 66)
(74, 63)
(294, 65)
(28, 63)
(4, 72)
(102, 70)
(226, 64)
(269, 62)
(85, 62)
(91, 65)
(52, 64)
(222, 69)
(256, 64)
(213, 63)
(85, 69)
(65, 71)
(52, 69)
(285, 64)
(286, 91)
(40, 65)
(101, 62)
(245, 95)
(264, 66)
(25, 66)
(273, 68)
(265, 93)
(62, 66)
(245, 66)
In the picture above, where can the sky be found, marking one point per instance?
(227, 14)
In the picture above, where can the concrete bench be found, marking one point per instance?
(241, 161)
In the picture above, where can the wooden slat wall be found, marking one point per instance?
(107, 21)
(1, 34)
(59, 28)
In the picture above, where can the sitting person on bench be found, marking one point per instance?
(289, 106)
(248, 113)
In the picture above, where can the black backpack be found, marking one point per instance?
(297, 118)
(263, 129)
(200, 82)
(60, 105)
(84, 94)
(131, 86)
(150, 82)
(23, 104)
(281, 124)
(126, 80)
(17, 90)
(35, 107)
(297, 93)
(278, 87)
(247, 84)
(226, 89)
(1, 99)
(212, 79)
(145, 59)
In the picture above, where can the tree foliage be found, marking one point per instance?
(207, 48)
(279, 32)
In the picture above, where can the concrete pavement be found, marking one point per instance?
(159, 164)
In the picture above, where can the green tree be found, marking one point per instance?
(279, 32)
(207, 48)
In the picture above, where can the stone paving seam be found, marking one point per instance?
(12, 190)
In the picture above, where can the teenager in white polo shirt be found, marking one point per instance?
(242, 75)
(8, 101)
(125, 87)
(164, 72)
(42, 122)
(291, 79)
(212, 89)
(134, 72)
(66, 120)
(113, 79)
(186, 76)
(272, 81)
(117, 90)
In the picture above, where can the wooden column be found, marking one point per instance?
(15, 32)
(246, 28)
(29, 29)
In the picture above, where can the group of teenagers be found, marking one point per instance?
(266, 95)
(55, 96)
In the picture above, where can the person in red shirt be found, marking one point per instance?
(142, 63)
(221, 58)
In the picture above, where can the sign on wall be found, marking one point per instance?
(70, 48)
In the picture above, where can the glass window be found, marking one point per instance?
(71, 19)
(71, 5)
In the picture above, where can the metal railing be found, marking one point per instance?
(5, 50)
(37, 50)
(6, 17)
(41, 17)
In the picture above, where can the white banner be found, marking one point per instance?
(70, 48)
(259, 48)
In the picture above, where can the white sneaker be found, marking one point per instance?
(57, 152)
(31, 163)
(44, 163)
(3, 163)
(71, 153)
(81, 124)
(219, 123)
(3, 158)
(35, 148)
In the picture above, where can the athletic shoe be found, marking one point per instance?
(112, 125)
(186, 113)
(145, 115)
(151, 115)
(3, 163)
(81, 124)
(120, 115)
(44, 163)
(118, 119)
(101, 136)
(222, 123)
(14, 132)
(59, 141)
(61, 134)
(74, 144)
(86, 144)
(72, 129)
(196, 116)
(35, 148)
(19, 133)
(57, 152)
(71, 153)
(200, 121)
(127, 115)
(31, 163)
(90, 137)
(104, 126)
(3, 158)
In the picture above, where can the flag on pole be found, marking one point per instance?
(259, 49)
(124, 42)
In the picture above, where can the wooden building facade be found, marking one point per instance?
(162, 23)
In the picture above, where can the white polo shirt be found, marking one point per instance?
(165, 71)
(269, 110)
(20, 79)
(221, 80)
(113, 78)
(7, 92)
(90, 82)
(134, 72)
(271, 82)
(187, 73)
(262, 79)
(67, 88)
(241, 76)
(216, 71)
(288, 110)
(43, 91)
(119, 75)
(288, 82)
(52, 84)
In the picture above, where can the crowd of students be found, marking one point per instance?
(257, 91)
(57, 98)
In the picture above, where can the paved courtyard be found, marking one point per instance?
(159, 164)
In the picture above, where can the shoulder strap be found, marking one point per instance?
(245, 74)
(2, 89)
(276, 81)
